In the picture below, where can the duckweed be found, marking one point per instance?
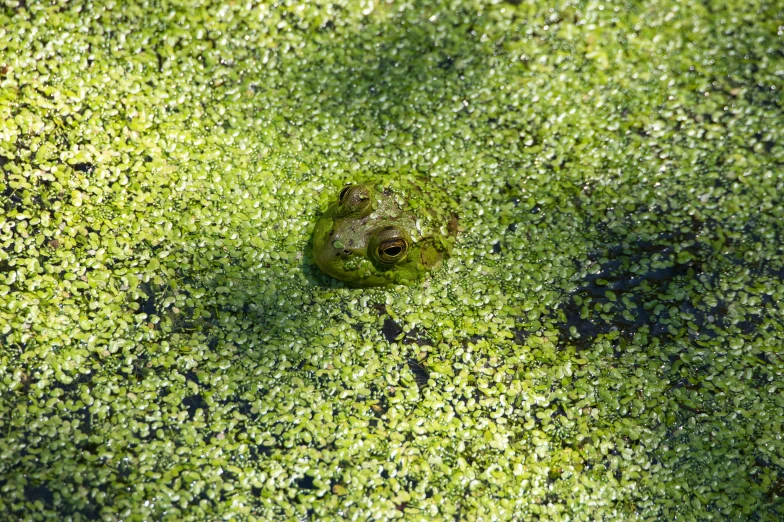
(604, 344)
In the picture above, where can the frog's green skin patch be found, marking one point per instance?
(343, 245)
(604, 342)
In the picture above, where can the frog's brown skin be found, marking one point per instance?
(385, 230)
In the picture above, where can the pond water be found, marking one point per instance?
(605, 341)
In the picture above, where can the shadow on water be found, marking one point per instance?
(680, 300)
(375, 85)
(652, 278)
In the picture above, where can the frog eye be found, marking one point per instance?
(393, 250)
(343, 193)
(353, 199)
(389, 245)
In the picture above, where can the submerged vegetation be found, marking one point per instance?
(605, 341)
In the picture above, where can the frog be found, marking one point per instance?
(384, 230)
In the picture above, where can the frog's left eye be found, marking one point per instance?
(389, 245)
(353, 199)
(343, 193)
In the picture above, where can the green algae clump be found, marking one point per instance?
(604, 341)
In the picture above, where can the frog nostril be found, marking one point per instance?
(347, 252)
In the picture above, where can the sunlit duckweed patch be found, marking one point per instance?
(604, 343)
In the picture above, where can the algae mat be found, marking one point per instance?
(606, 342)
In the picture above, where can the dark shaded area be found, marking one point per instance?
(647, 287)
(84, 167)
(194, 403)
(421, 374)
(392, 333)
(40, 492)
(305, 482)
(372, 90)
(391, 330)
(650, 295)
(146, 300)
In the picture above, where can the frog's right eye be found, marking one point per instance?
(354, 200)
(392, 250)
(389, 245)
